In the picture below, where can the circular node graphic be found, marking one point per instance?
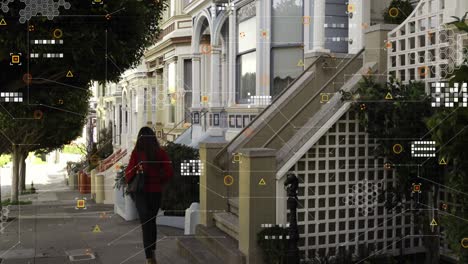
(57, 33)
(393, 12)
(38, 114)
(397, 148)
(228, 180)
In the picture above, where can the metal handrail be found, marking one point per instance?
(313, 97)
(178, 124)
(264, 110)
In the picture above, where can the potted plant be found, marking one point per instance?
(124, 204)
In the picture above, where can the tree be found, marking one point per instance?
(397, 11)
(99, 43)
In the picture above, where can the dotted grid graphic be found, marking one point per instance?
(364, 195)
(47, 8)
(11, 97)
(443, 95)
(191, 168)
(423, 149)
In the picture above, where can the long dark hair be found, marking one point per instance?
(147, 143)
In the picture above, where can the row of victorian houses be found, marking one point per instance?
(216, 79)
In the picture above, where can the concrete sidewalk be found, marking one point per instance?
(52, 231)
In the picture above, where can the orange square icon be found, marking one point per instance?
(306, 20)
(351, 8)
(205, 99)
(15, 59)
(80, 204)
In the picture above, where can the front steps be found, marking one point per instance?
(228, 223)
(217, 244)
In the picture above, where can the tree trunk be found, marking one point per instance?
(16, 156)
(22, 179)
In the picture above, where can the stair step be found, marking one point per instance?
(223, 246)
(228, 223)
(194, 250)
(234, 206)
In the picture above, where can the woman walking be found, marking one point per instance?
(155, 170)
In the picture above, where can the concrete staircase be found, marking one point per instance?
(217, 244)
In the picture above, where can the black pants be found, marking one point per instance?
(147, 205)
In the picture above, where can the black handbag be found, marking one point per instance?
(137, 184)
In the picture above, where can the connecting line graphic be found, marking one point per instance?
(375, 228)
(134, 255)
(15, 118)
(61, 83)
(440, 148)
(8, 250)
(444, 212)
(377, 252)
(442, 185)
(451, 113)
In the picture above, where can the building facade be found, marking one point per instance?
(308, 129)
(244, 53)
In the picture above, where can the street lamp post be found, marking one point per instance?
(292, 184)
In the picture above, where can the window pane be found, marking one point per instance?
(171, 76)
(287, 15)
(285, 67)
(247, 78)
(188, 89)
(247, 34)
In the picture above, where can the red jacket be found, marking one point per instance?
(154, 179)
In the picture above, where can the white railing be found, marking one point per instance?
(419, 49)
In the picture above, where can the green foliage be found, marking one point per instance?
(450, 131)
(274, 250)
(4, 159)
(120, 182)
(182, 190)
(74, 149)
(95, 47)
(104, 144)
(460, 23)
(88, 35)
(397, 11)
(401, 120)
(8, 202)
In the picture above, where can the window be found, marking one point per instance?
(287, 38)
(153, 99)
(187, 88)
(246, 53)
(171, 88)
(145, 100)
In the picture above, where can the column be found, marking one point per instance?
(257, 199)
(225, 82)
(318, 22)
(360, 17)
(212, 188)
(196, 64)
(215, 77)
(232, 59)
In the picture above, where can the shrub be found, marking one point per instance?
(182, 190)
(274, 250)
